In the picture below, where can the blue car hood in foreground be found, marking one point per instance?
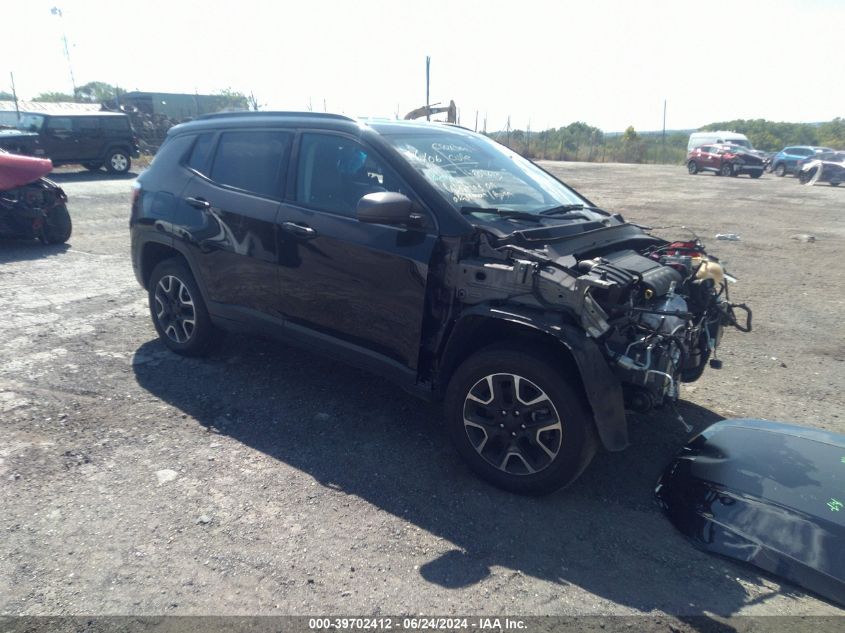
(766, 493)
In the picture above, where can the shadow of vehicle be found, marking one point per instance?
(15, 250)
(88, 176)
(355, 433)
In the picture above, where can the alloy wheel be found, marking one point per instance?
(119, 162)
(512, 424)
(175, 310)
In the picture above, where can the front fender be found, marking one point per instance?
(600, 385)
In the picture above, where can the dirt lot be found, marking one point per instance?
(266, 480)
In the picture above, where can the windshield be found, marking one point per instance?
(741, 142)
(473, 171)
(31, 122)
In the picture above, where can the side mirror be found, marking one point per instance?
(386, 207)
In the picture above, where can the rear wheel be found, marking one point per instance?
(755, 174)
(780, 170)
(692, 167)
(57, 226)
(118, 161)
(726, 170)
(178, 310)
(517, 422)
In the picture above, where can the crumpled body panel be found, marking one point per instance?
(766, 493)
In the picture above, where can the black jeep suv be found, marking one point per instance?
(438, 258)
(92, 139)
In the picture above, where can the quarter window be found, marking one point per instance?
(335, 173)
(199, 154)
(115, 123)
(252, 161)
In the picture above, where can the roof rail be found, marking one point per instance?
(251, 113)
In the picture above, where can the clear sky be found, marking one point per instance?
(610, 63)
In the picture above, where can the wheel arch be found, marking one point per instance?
(580, 360)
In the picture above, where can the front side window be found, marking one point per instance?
(475, 172)
(334, 173)
(31, 122)
(252, 161)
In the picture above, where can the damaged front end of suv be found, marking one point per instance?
(655, 309)
(588, 300)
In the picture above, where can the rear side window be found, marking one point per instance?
(252, 161)
(198, 160)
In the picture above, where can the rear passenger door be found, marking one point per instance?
(234, 199)
(88, 138)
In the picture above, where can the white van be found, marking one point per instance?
(711, 138)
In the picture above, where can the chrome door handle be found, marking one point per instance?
(299, 229)
(198, 203)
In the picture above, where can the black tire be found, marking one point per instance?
(92, 166)
(692, 168)
(57, 226)
(118, 161)
(834, 184)
(533, 461)
(755, 174)
(805, 176)
(178, 311)
(780, 170)
(726, 170)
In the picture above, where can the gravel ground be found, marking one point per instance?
(266, 480)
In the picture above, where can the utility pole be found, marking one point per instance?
(427, 83)
(475, 129)
(57, 11)
(15, 97)
(663, 141)
(508, 132)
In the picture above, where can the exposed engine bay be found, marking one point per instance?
(656, 309)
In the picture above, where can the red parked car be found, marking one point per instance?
(725, 160)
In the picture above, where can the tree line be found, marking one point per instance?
(582, 142)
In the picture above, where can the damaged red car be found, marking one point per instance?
(31, 206)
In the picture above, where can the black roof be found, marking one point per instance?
(324, 120)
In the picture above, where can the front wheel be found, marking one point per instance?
(755, 174)
(92, 166)
(118, 162)
(57, 225)
(780, 170)
(692, 167)
(515, 419)
(178, 310)
(726, 170)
